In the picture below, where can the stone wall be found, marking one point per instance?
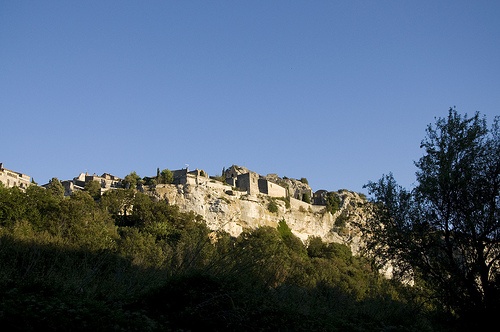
(234, 171)
(180, 176)
(319, 197)
(249, 182)
(14, 179)
(184, 176)
(298, 204)
(271, 189)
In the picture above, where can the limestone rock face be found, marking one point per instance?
(224, 208)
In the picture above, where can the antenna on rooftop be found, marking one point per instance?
(187, 166)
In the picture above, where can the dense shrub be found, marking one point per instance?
(332, 202)
(272, 206)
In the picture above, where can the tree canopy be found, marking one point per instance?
(93, 188)
(445, 233)
(132, 180)
(166, 177)
(55, 188)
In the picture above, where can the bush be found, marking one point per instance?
(272, 206)
(332, 202)
(94, 189)
(166, 177)
(306, 198)
(341, 220)
(283, 229)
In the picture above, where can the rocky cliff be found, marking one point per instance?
(225, 208)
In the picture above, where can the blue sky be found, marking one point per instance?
(339, 92)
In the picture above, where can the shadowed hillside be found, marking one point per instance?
(123, 261)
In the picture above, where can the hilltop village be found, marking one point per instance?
(239, 178)
(237, 200)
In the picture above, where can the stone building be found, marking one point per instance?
(271, 188)
(248, 182)
(233, 172)
(184, 176)
(295, 188)
(107, 182)
(253, 183)
(14, 179)
(319, 197)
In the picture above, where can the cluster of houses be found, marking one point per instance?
(11, 178)
(238, 177)
(107, 182)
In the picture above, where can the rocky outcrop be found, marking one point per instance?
(224, 208)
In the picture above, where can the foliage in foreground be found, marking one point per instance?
(125, 262)
(445, 233)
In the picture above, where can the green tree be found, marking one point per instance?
(119, 204)
(166, 176)
(94, 189)
(56, 188)
(83, 223)
(446, 231)
(12, 205)
(318, 248)
(283, 229)
(332, 202)
(262, 255)
(131, 181)
(272, 206)
(315, 247)
(150, 181)
(42, 208)
(292, 241)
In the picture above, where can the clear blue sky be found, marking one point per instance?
(339, 92)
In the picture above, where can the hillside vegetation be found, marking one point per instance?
(122, 261)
